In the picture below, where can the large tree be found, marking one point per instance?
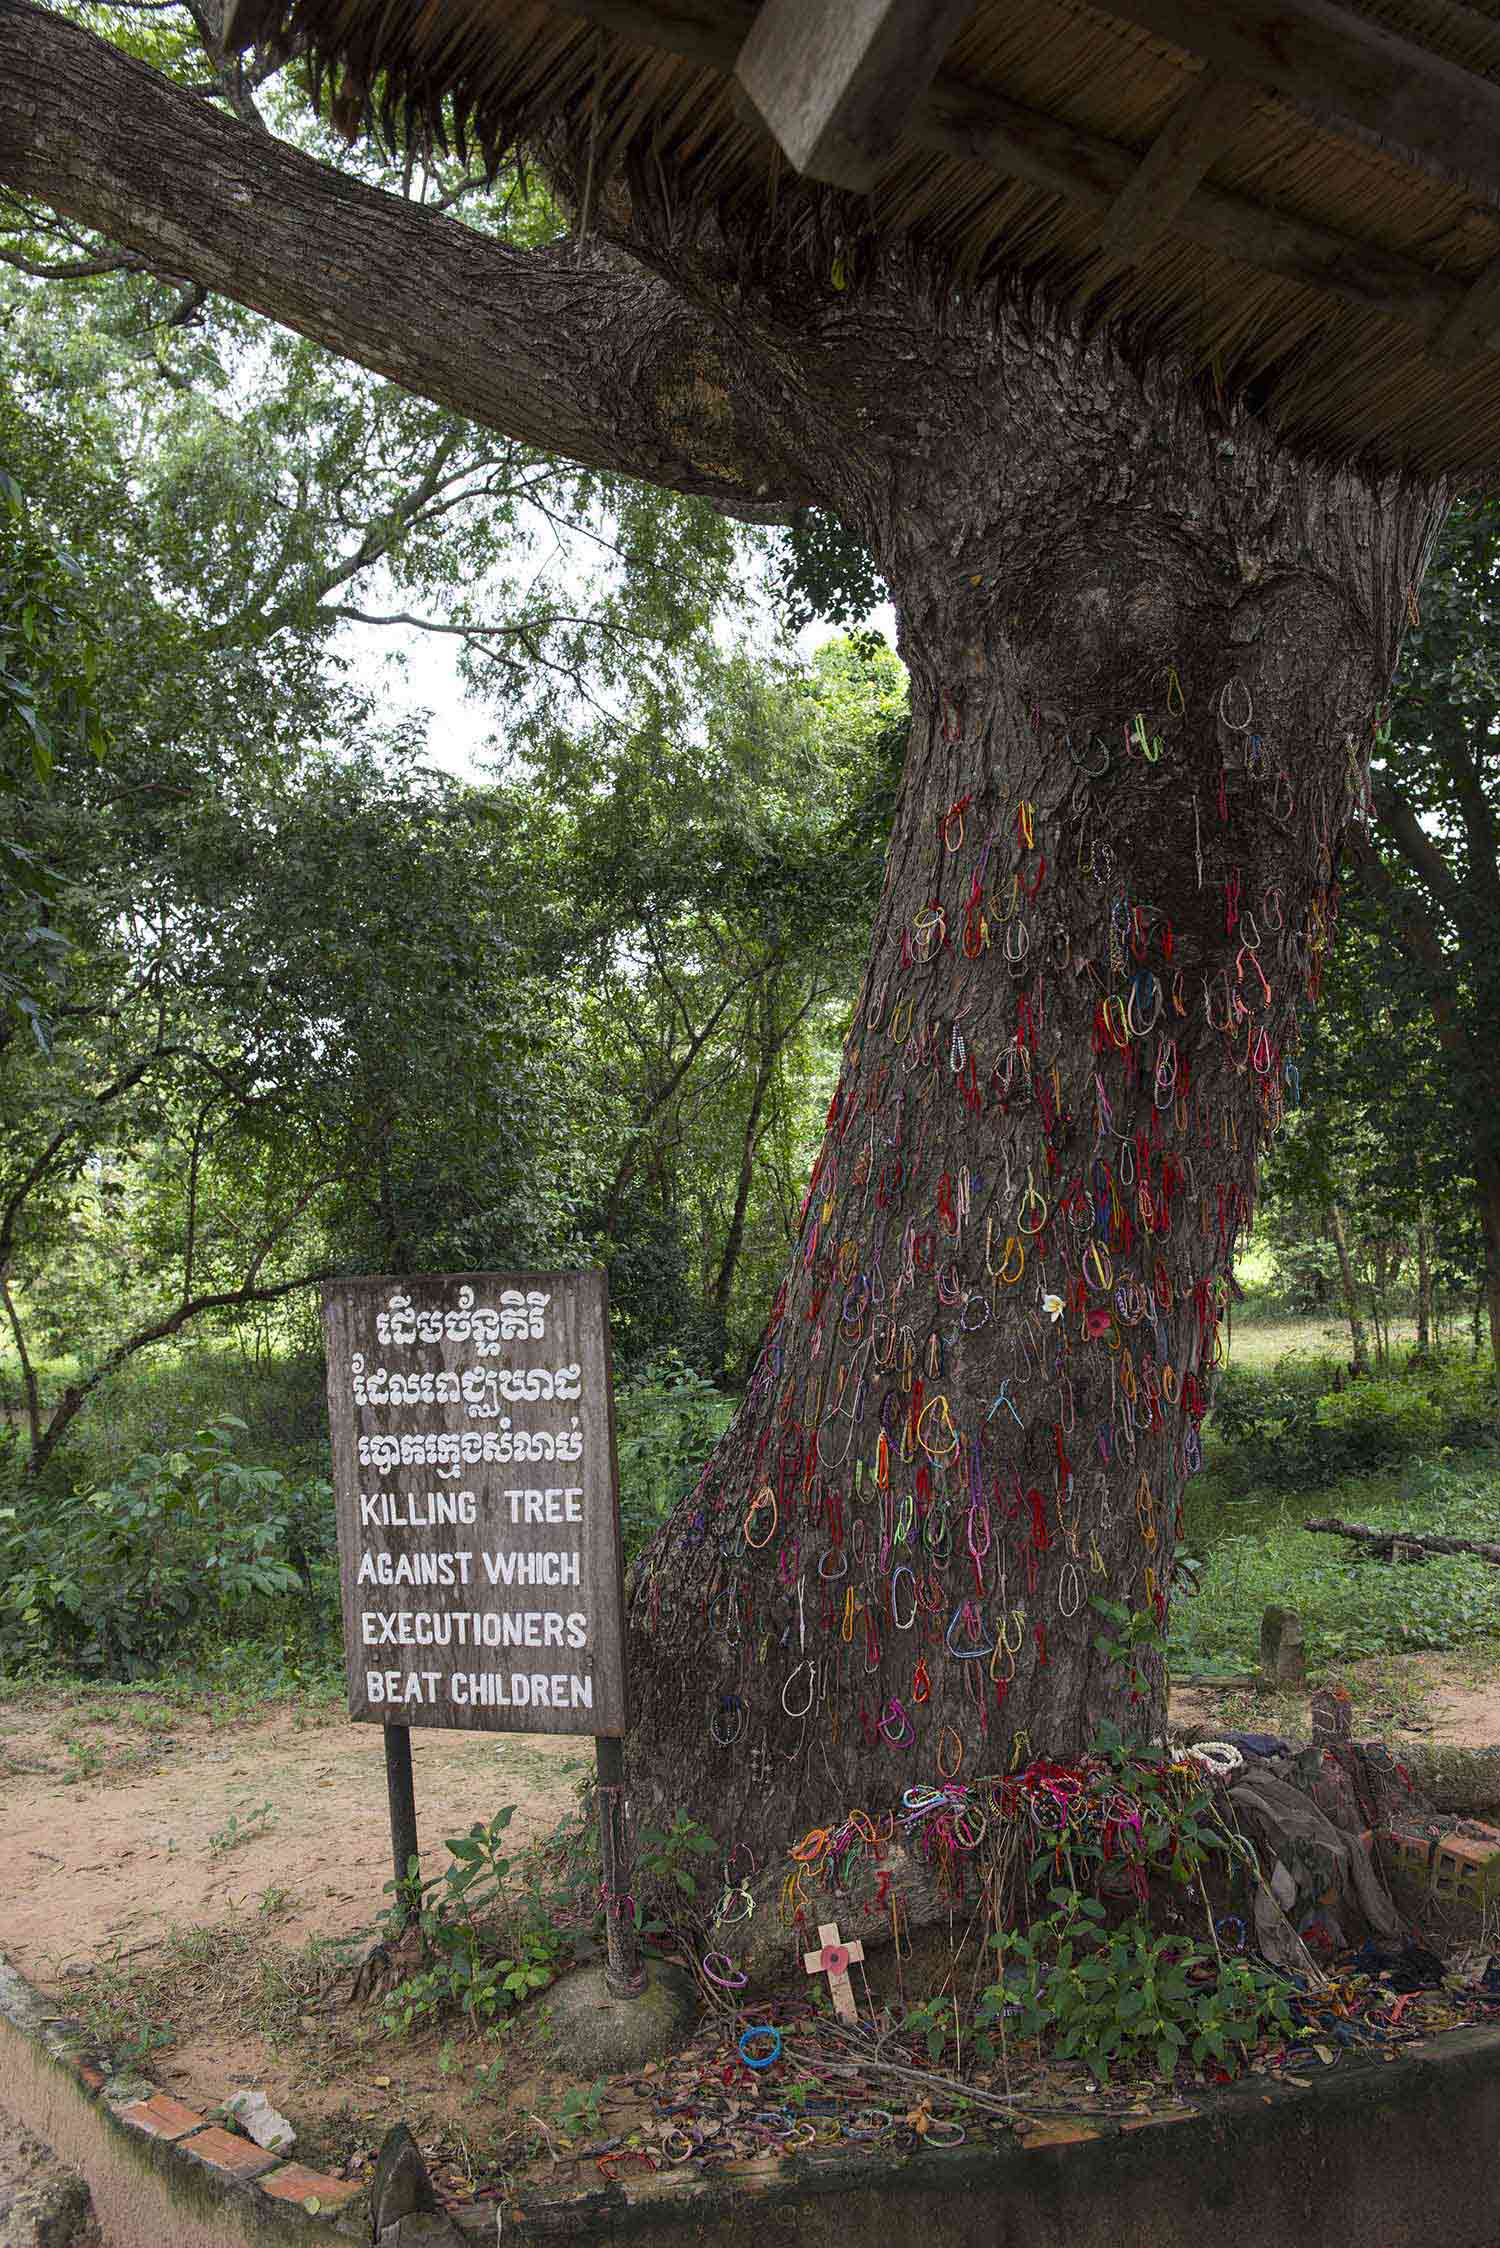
(1147, 640)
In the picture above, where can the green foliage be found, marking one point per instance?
(1288, 1429)
(1122, 1999)
(156, 1402)
(825, 572)
(668, 1865)
(668, 1420)
(49, 716)
(1258, 1555)
(183, 1543)
(578, 2113)
(1401, 1067)
(487, 1949)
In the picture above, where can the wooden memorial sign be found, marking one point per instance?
(473, 1430)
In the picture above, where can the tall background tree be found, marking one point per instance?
(1431, 882)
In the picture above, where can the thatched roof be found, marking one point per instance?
(1300, 196)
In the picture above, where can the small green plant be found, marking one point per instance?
(148, 2038)
(668, 1866)
(85, 1761)
(487, 1950)
(1132, 1643)
(237, 1831)
(935, 2021)
(580, 2110)
(1124, 1999)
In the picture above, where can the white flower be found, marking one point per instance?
(1053, 1306)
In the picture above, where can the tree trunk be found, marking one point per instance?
(763, 1003)
(1359, 1342)
(1424, 1280)
(1147, 644)
(1487, 1174)
(1145, 655)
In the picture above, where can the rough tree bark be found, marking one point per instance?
(1146, 649)
(1146, 646)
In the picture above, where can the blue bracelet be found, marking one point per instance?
(763, 2060)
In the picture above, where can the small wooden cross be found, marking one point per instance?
(834, 1960)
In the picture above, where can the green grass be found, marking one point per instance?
(1262, 1335)
(227, 1683)
(1256, 1554)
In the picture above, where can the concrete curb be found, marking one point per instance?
(160, 2173)
(1370, 2154)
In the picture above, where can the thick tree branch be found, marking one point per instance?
(1416, 846)
(572, 350)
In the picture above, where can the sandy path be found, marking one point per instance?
(1454, 1704)
(112, 1833)
(112, 1859)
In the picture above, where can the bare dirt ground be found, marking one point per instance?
(121, 1822)
(114, 1832)
(1453, 1699)
(176, 1877)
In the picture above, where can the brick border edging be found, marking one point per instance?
(196, 2158)
(1422, 2121)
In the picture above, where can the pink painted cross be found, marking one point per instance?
(834, 1960)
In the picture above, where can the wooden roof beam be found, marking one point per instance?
(836, 80)
(1345, 73)
(1029, 145)
(1457, 320)
(1178, 159)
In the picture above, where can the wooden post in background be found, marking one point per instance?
(403, 1803)
(624, 1975)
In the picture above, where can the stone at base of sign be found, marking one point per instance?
(598, 2035)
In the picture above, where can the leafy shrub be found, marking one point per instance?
(667, 1421)
(487, 1949)
(1123, 1998)
(1372, 1423)
(1289, 1430)
(157, 1403)
(123, 1576)
(667, 1872)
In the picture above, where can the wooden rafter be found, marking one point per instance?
(954, 119)
(1178, 159)
(1472, 326)
(1344, 72)
(836, 80)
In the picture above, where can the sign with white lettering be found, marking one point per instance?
(478, 1508)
